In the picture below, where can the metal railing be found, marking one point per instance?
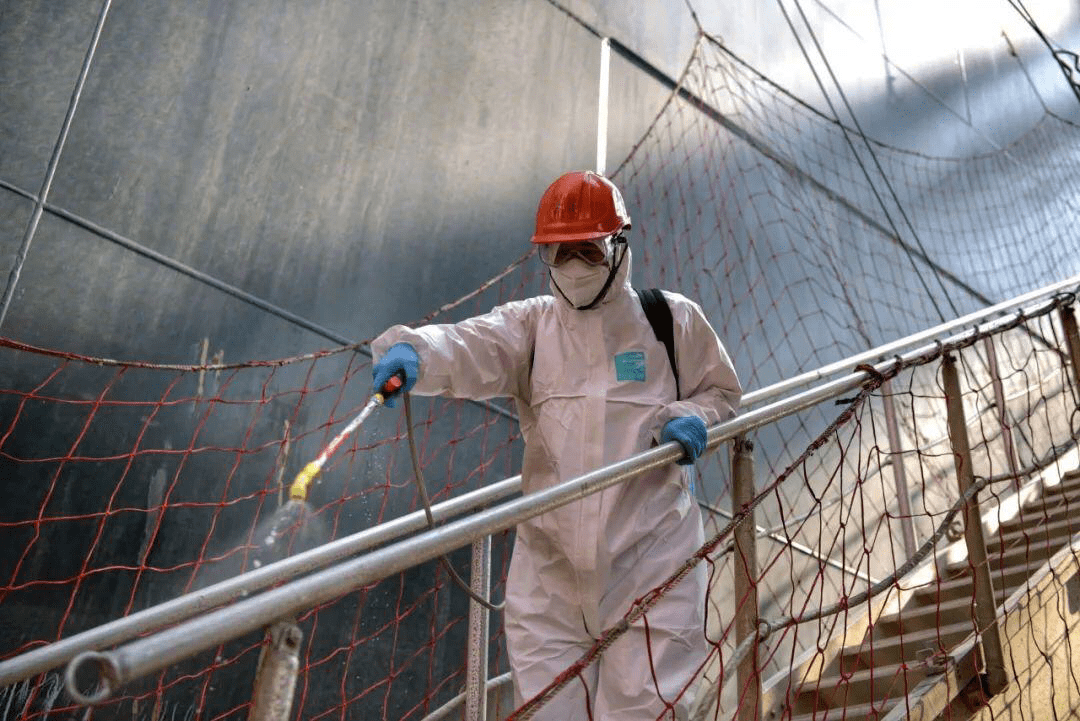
(228, 610)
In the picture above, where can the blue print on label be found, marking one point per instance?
(630, 366)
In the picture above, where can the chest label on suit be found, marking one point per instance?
(630, 366)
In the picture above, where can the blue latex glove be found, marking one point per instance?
(399, 358)
(689, 431)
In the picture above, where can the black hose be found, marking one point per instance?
(422, 488)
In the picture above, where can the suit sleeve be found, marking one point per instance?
(710, 386)
(483, 357)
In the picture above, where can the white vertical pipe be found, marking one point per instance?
(1001, 408)
(602, 107)
(896, 462)
(477, 664)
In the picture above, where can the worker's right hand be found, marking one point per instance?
(400, 358)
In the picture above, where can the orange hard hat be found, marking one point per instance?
(582, 205)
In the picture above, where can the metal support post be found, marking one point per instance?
(275, 678)
(1072, 342)
(477, 663)
(985, 602)
(896, 462)
(1002, 409)
(602, 106)
(746, 596)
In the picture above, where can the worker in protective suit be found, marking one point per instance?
(593, 386)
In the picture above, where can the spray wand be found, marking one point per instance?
(293, 512)
(299, 489)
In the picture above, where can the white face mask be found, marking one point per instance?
(579, 281)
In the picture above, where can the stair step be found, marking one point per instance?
(1058, 502)
(859, 712)
(938, 616)
(1028, 555)
(925, 615)
(860, 687)
(909, 647)
(1055, 532)
(1031, 517)
(960, 584)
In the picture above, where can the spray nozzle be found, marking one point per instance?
(393, 384)
(299, 489)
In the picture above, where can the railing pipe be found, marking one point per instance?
(275, 676)
(985, 604)
(476, 666)
(451, 709)
(796, 546)
(746, 596)
(198, 602)
(1001, 405)
(149, 654)
(179, 609)
(1072, 342)
(896, 463)
(175, 644)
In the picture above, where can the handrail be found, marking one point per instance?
(184, 607)
(167, 647)
(200, 601)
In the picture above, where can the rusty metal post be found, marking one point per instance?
(476, 666)
(746, 595)
(275, 677)
(1072, 342)
(896, 462)
(999, 403)
(985, 602)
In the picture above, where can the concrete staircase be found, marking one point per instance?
(906, 645)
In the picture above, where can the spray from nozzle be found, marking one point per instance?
(292, 516)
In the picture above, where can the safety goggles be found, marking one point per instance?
(593, 252)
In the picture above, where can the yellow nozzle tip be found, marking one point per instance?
(299, 489)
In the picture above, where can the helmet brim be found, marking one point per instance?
(576, 236)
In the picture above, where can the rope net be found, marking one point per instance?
(139, 482)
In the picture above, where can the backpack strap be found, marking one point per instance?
(659, 314)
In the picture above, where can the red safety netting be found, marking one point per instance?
(746, 200)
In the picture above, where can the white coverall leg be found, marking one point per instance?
(593, 387)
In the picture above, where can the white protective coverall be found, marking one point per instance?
(599, 389)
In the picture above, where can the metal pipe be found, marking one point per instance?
(1000, 405)
(896, 462)
(275, 677)
(476, 667)
(182, 641)
(197, 602)
(54, 161)
(175, 644)
(796, 546)
(746, 596)
(602, 106)
(985, 603)
(453, 704)
(1072, 342)
(888, 349)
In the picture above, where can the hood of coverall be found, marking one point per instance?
(575, 283)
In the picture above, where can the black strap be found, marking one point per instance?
(659, 314)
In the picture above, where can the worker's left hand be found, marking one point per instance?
(689, 431)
